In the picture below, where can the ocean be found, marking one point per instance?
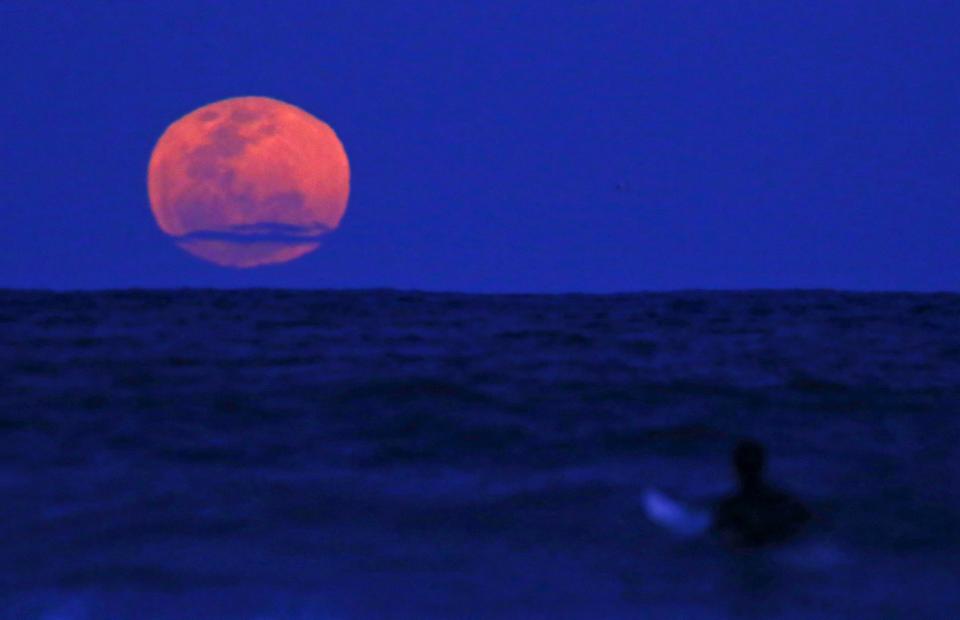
(270, 454)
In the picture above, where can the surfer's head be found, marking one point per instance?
(748, 459)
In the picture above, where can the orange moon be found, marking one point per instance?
(248, 181)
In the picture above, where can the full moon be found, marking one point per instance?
(248, 181)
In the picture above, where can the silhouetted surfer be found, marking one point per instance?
(757, 514)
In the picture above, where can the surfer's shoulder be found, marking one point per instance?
(757, 519)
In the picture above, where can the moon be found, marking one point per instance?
(248, 181)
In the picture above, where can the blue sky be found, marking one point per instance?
(508, 146)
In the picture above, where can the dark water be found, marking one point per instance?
(271, 454)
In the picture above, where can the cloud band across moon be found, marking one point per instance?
(272, 232)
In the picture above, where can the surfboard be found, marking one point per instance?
(675, 516)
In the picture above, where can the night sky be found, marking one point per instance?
(507, 146)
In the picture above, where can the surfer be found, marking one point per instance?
(757, 514)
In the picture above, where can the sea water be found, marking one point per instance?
(377, 454)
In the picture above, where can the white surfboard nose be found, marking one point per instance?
(673, 515)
